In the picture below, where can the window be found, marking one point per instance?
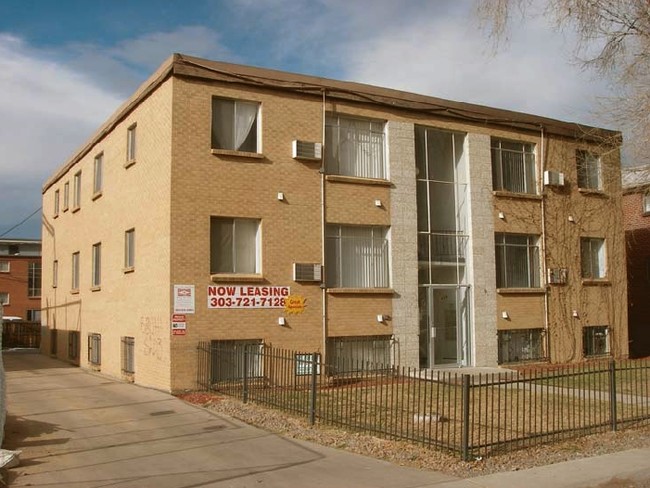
(646, 203)
(357, 257)
(355, 147)
(95, 349)
(235, 125)
(34, 279)
(513, 167)
(595, 340)
(589, 170)
(130, 144)
(4, 298)
(128, 355)
(33, 315)
(129, 249)
(234, 245)
(76, 203)
(592, 253)
(229, 359)
(98, 174)
(66, 196)
(73, 344)
(97, 265)
(5, 266)
(517, 261)
(56, 203)
(520, 345)
(55, 274)
(54, 342)
(75, 271)
(350, 354)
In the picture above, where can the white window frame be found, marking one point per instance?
(356, 147)
(74, 285)
(593, 258)
(5, 266)
(97, 265)
(129, 249)
(357, 256)
(131, 143)
(505, 245)
(589, 167)
(241, 137)
(98, 174)
(76, 197)
(233, 264)
(514, 166)
(7, 298)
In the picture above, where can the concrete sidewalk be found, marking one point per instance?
(78, 429)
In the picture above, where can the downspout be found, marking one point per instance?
(322, 221)
(547, 338)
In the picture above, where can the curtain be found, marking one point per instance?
(246, 246)
(245, 115)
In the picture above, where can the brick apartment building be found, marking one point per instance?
(636, 218)
(20, 278)
(247, 206)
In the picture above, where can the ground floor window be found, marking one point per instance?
(232, 359)
(128, 355)
(73, 345)
(33, 315)
(521, 345)
(351, 354)
(53, 341)
(595, 340)
(95, 349)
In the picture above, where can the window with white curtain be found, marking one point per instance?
(517, 261)
(234, 245)
(592, 254)
(589, 170)
(513, 167)
(235, 125)
(355, 147)
(357, 257)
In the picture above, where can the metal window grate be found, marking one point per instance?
(95, 349)
(128, 355)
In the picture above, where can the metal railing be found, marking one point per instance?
(472, 415)
(21, 334)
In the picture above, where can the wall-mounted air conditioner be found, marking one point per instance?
(307, 150)
(553, 178)
(557, 276)
(307, 272)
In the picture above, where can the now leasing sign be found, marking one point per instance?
(224, 296)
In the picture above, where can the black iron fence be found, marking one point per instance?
(473, 415)
(21, 334)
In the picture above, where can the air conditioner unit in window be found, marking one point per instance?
(557, 276)
(553, 178)
(307, 150)
(306, 272)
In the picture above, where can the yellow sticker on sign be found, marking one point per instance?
(294, 304)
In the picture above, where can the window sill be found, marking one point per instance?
(521, 291)
(238, 154)
(596, 282)
(36, 297)
(95, 288)
(129, 163)
(76, 209)
(593, 192)
(96, 195)
(521, 196)
(128, 269)
(74, 291)
(66, 209)
(234, 277)
(55, 216)
(360, 291)
(358, 180)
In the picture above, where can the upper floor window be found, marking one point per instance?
(235, 125)
(234, 245)
(646, 203)
(589, 171)
(98, 175)
(76, 202)
(131, 143)
(97, 265)
(34, 279)
(129, 249)
(592, 256)
(66, 196)
(357, 257)
(56, 203)
(75, 271)
(355, 147)
(5, 266)
(4, 298)
(517, 261)
(55, 274)
(513, 166)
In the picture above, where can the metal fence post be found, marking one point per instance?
(245, 392)
(612, 394)
(465, 425)
(312, 390)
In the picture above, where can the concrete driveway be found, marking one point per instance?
(78, 429)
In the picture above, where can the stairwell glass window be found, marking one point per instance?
(513, 167)
(234, 246)
(235, 125)
(355, 147)
(97, 265)
(517, 261)
(98, 174)
(34, 272)
(592, 254)
(589, 171)
(357, 257)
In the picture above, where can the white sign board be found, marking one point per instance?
(237, 296)
(183, 298)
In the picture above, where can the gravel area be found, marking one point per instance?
(406, 454)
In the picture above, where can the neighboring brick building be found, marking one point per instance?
(636, 218)
(20, 278)
(439, 225)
